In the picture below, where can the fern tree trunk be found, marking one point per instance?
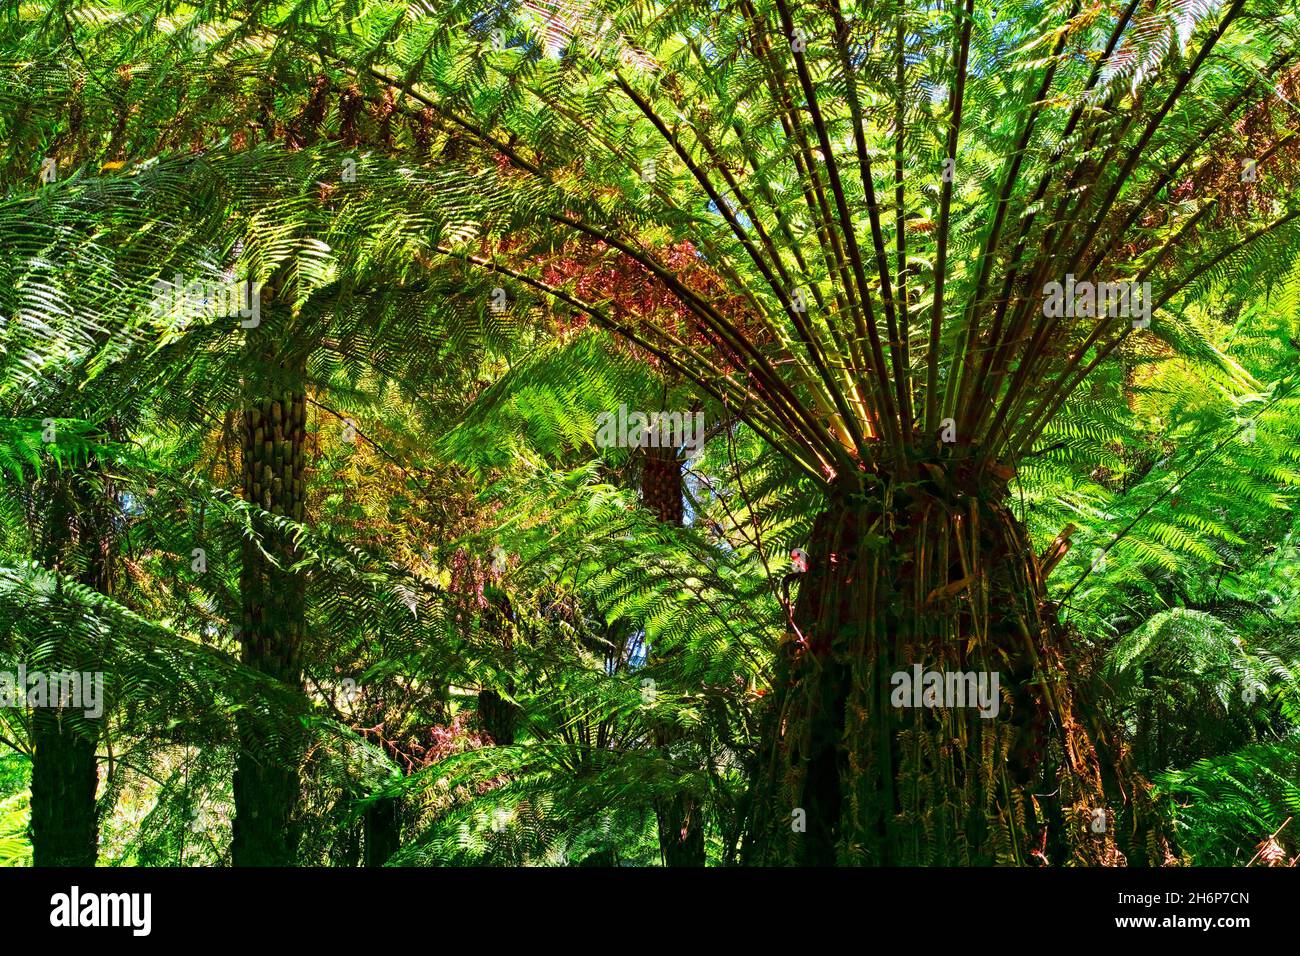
(65, 776)
(266, 783)
(383, 830)
(500, 718)
(65, 773)
(936, 573)
(497, 713)
(680, 819)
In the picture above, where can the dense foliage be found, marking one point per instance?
(322, 325)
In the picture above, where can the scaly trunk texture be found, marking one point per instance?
(661, 485)
(65, 773)
(935, 572)
(680, 822)
(266, 784)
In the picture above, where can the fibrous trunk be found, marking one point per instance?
(679, 817)
(868, 759)
(65, 772)
(266, 784)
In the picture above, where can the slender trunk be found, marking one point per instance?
(680, 818)
(266, 784)
(65, 773)
(497, 714)
(856, 768)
